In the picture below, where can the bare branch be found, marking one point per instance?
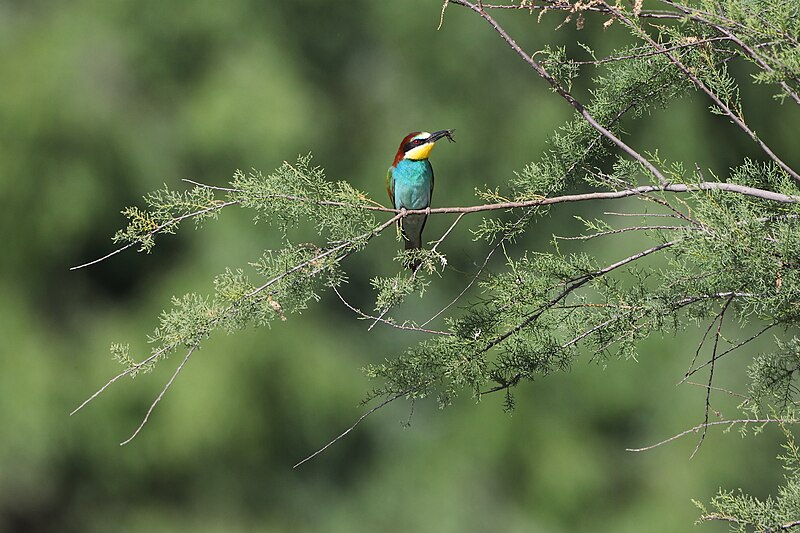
(710, 424)
(700, 346)
(163, 392)
(352, 427)
(127, 371)
(720, 317)
(624, 230)
(465, 289)
(720, 389)
(640, 215)
(609, 195)
(729, 350)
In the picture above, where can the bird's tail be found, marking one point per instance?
(412, 226)
(412, 242)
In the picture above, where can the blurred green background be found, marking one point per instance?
(102, 101)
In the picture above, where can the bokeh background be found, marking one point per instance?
(102, 101)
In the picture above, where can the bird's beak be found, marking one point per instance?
(439, 134)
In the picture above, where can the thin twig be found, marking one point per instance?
(163, 392)
(650, 54)
(729, 350)
(125, 372)
(623, 230)
(446, 233)
(416, 269)
(752, 54)
(213, 187)
(158, 229)
(709, 424)
(720, 389)
(589, 332)
(655, 14)
(711, 375)
(576, 284)
(387, 322)
(700, 347)
(465, 289)
(642, 215)
(352, 427)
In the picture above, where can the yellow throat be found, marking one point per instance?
(419, 152)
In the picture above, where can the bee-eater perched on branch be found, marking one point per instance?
(410, 183)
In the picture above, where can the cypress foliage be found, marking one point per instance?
(727, 247)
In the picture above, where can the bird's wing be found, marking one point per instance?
(431, 167)
(390, 186)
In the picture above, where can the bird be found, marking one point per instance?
(410, 183)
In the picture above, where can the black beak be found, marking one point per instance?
(439, 134)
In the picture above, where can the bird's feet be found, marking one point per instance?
(427, 210)
(403, 212)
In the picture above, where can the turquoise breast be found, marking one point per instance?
(413, 181)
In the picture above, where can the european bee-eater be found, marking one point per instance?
(410, 182)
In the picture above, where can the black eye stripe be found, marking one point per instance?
(413, 143)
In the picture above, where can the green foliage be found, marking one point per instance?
(288, 278)
(769, 30)
(720, 257)
(300, 193)
(562, 68)
(392, 291)
(773, 380)
(165, 210)
(777, 513)
(623, 88)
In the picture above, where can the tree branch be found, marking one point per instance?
(563, 92)
(223, 314)
(625, 230)
(703, 87)
(163, 392)
(391, 323)
(576, 284)
(159, 229)
(720, 317)
(655, 53)
(352, 427)
(729, 350)
(600, 195)
(709, 424)
(562, 6)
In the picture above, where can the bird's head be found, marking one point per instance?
(418, 145)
